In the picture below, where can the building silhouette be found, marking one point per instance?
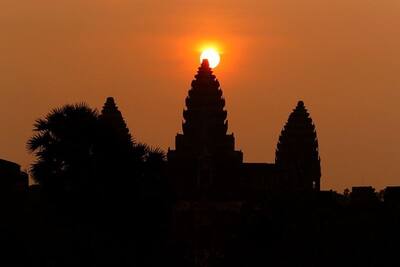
(13, 180)
(205, 164)
(211, 183)
(392, 194)
(204, 206)
(297, 154)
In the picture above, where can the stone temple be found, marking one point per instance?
(210, 181)
(206, 166)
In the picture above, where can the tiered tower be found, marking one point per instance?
(297, 152)
(115, 147)
(112, 120)
(205, 159)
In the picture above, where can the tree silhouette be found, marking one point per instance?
(79, 150)
(63, 144)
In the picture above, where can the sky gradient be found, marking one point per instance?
(341, 57)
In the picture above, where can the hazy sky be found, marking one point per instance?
(342, 57)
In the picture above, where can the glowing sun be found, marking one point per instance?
(212, 56)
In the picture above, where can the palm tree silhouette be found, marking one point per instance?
(92, 156)
(63, 144)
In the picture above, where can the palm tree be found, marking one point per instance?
(148, 153)
(63, 145)
(88, 154)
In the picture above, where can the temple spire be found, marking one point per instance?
(205, 122)
(115, 128)
(297, 151)
(205, 64)
(204, 150)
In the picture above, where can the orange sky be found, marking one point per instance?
(341, 57)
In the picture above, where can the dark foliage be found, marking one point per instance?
(64, 145)
(97, 187)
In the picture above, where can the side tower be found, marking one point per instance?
(114, 148)
(204, 161)
(297, 152)
(114, 127)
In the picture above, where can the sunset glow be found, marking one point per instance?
(212, 56)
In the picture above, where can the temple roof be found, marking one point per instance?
(298, 139)
(112, 117)
(205, 118)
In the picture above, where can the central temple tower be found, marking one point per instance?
(205, 160)
(213, 187)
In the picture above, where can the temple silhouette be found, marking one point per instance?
(205, 164)
(102, 198)
(210, 181)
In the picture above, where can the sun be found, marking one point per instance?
(211, 55)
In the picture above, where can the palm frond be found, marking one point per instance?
(40, 125)
(157, 153)
(37, 141)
